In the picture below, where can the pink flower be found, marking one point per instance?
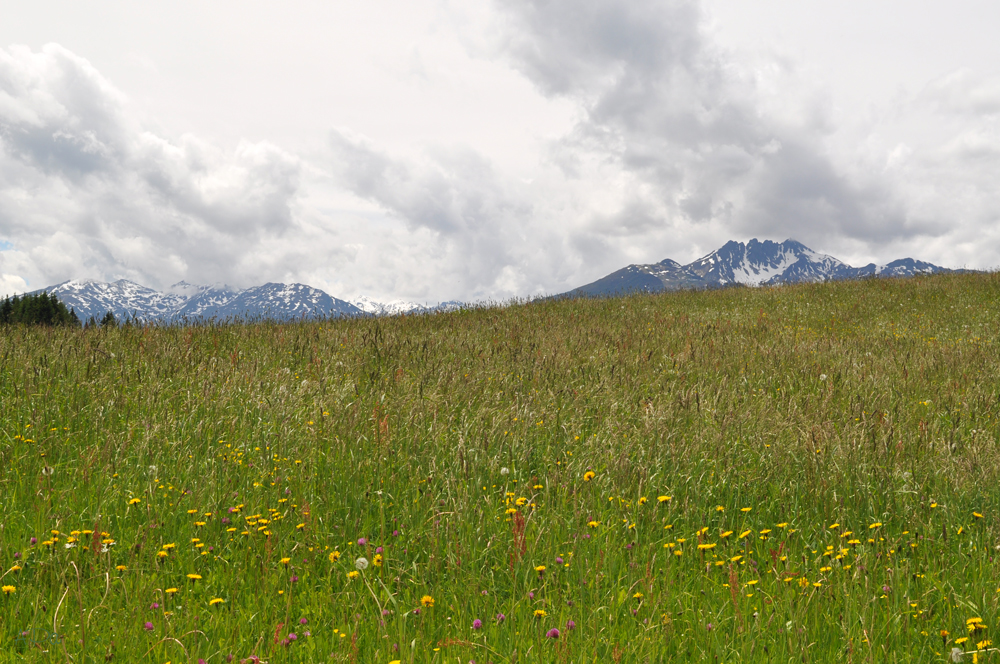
(552, 633)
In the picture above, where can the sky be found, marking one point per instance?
(434, 150)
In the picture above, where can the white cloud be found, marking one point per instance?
(86, 191)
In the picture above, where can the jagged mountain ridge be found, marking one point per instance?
(753, 264)
(187, 302)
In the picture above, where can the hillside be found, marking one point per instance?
(807, 472)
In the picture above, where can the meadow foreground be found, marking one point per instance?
(805, 473)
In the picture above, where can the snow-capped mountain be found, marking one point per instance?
(753, 264)
(400, 307)
(184, 302)
(393, 308)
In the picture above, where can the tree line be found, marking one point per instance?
(44, 309)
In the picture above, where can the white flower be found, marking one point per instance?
(48, 470)
(822, 376)
(70, 545)
(361, 563)
(956, 654)
(505, 470)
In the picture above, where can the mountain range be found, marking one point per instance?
(754, 263)
(184, 302)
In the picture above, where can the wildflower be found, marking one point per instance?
(285, 561)
(477, 624)
(726, 534)
(170, 591)
(427, 601)
(637, 596)
(121, 568)
(7, 590)
(745, 509)
(593, 524)
(194, 577)
(162, 554)
(705, 547)
(377, 560)
(334, 556)
(216, 600)
(134, 501)
(148, 626)
(663, 499)
(552, 633)
(353, 574)
(540, 613)
(500, 618)
(977, 515)
(875, 525)
(540, 569)
(362, 541)
(361, 563)
(643, 501)
(589, 475)
(505, 471)
(745, 533)
(570, 625)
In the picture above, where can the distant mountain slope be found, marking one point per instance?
(753, 264)
(184, 302)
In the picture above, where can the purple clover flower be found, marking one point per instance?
(148, 626)
(477, 624)
(552, 633)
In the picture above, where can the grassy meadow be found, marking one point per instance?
(798, 474)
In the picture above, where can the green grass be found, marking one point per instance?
(799, 414)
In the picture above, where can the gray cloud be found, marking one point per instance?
(86, 191)
(671, 109)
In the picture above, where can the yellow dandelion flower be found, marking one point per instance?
(726, 534)
(540, 568)
(7, 590)
(540, 613)
(170, 591)
(427, 601)
(334, 556)
(637, 596)
(121, 568)
(194, 577)
(589, 475)
(215, 600)
(353, 574)
(643, 501)
(705, 547)
(134, 501)
(745, 509)
(285, 561)
(663, 499)
(593, 524)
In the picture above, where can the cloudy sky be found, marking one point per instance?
(476, 149)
